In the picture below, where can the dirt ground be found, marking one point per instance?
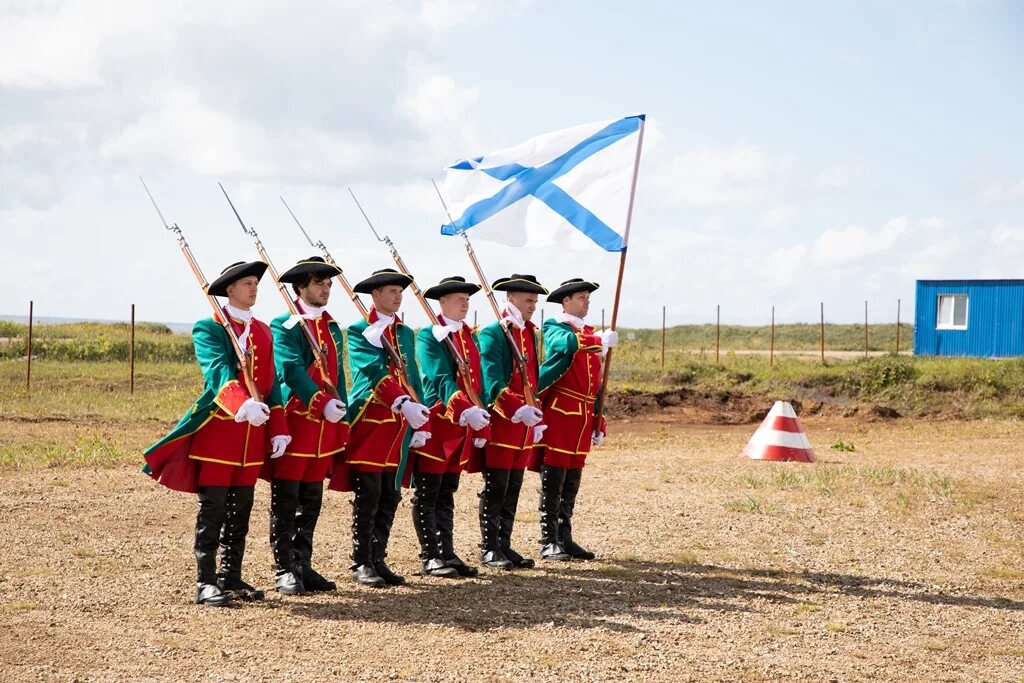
(900, 560)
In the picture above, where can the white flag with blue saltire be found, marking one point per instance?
(570, 188)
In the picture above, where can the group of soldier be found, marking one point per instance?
(422, 409)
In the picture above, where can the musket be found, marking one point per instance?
(517, 355)
(462, 366)
(218, 314)
(319, 352)
(396, 358)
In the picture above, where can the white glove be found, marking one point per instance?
(334, 410)
(479, 443)
(598, 438)
(528, 415)
(253, 412)
(476, 418)
(278, 444)
(538, 433)
(415, 414)
(609, 338)
(419, 439)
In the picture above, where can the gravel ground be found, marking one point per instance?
(901, 560)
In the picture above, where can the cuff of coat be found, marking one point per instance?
(484, 433)
(278, 424)
(231, 396)
(507, 403)
(317, 403)
(590, 342)
(388, 390)
(457, 405)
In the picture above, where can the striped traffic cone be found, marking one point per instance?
(780, 437)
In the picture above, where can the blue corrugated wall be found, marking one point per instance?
(995, 319)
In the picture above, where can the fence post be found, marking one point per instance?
(771, 348)
(865, 329)
(602, 320)
(718, 331)
(540, 351)
(131, 355)
(662, 337)
(823, 332)
(897, 327)
(28, 366)
(474, 318)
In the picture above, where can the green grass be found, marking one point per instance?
(796, 337)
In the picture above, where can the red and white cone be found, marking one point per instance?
(780, 437)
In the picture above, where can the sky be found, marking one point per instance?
(795, 152)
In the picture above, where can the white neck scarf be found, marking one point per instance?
(311, 313)
(564, 317)
(375, 331)
(514, 316)
(245, 317)
(446, 327)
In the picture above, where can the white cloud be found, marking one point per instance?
(933, 261)
(1004, 234)
(853, 243)
(931, 223)
(836, 177)
(780, 216)
(1005, 192)
(441, 15)
(715, 176)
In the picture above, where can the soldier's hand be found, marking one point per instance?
(278, 444)
(528, 415)
(479, 443)
(476, 418)
(414, 413)
(334, 410)
(253, 412)
(598, 438)
(419, 439)
(538, 433)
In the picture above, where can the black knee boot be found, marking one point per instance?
(311, 496)
(232, 543)
(446, 525)
(424, 521)
(366, 486)
(209, 520)
(491, 500)
(551, 481)
(390, 497)
(508, 520)
(284, 499)
(565, 511)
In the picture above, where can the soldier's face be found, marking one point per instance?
(525, 302)
(242, 292)
(578, 304)
(387, 299)
(454, 306)
(317, 292)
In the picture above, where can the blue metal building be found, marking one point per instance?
(982, 318)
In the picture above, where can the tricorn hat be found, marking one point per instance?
(382, 278)
(236, 271)
(570, 287)
(452, 285)
(314, 266)
(518, 282)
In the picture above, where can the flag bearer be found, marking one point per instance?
(381, 406)
(457, 426)
(514, 424)
(570, 382)
(220, 444)
(315, 422)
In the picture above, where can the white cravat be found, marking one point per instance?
(375, 331)
(447, 327)
(245, 317)
(514, 316)
(564, 317)
(312, 313)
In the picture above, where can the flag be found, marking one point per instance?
(570, 188)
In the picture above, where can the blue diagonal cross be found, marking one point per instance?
(538, 181)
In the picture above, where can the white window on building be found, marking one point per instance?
(952, 312)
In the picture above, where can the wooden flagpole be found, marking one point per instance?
(599, 408)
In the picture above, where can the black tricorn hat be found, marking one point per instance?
(452, 285)
(382, 278)
(570, 287)
(517, 282)
(236, 271)
(313, 266)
